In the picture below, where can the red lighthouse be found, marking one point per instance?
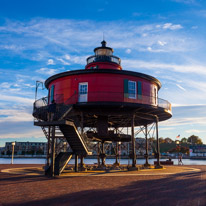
(97, 102)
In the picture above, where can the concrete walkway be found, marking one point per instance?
(168, 170)
(175, 185)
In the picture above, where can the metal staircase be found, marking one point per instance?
(64, 129)
(56, 131)
(75, 140)
(61, 162)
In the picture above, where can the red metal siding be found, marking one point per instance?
(101, 87)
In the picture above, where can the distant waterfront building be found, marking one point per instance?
(124, 148)
(1, 150)
(26, 148)
(197, 151)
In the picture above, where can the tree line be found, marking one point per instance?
(193, 139)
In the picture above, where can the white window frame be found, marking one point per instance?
(83, 88)
(132, 89)
(83, 92)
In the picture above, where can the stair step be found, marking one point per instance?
(74, 139)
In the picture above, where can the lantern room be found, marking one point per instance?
(103, 59)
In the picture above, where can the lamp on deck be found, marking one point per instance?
(12, 156)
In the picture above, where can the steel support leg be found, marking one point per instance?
(48, 147)
(116, 154)
(158, 147)
(82, 134)
(133, 143)
(53, 152)
(76, 163)
(103, 155)
(98, 156)
(146, 148)
(82, 162)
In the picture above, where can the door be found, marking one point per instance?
(83, 92)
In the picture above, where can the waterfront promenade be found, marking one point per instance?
(175, 185)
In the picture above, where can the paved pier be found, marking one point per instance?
(173, 186)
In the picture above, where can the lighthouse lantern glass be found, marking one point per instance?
(103, 52)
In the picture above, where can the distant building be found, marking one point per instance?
(124, 148)
(197, 151)
(26, 148)
(1, 150)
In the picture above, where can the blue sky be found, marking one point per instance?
(162, 38)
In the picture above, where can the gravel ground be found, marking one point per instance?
(143, 190)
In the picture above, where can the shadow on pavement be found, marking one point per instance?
(180, 189)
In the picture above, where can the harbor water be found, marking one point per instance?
(94, 161)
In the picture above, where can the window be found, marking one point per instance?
(132, 89)
(83, 89)
(83, 92)
(52, 93)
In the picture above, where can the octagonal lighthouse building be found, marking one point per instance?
(98, 104)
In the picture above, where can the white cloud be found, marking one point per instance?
(15, 116)
(29, 85)
(47, 71)
(33, 132)
(5, 85)
(67, 57)
(50, 62)
(13, 48)
(149, 48)
(186, 105)
(172, 26)
(193, 131)
(185, 121)
(186, 1)
(144, 35)
(17, 99)
(181, 87)
(136, 64)
(63, 61)
(166, 129)
(79, 59)
(162, 43)
(128, 51)
(41, 37)
(196, 85)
